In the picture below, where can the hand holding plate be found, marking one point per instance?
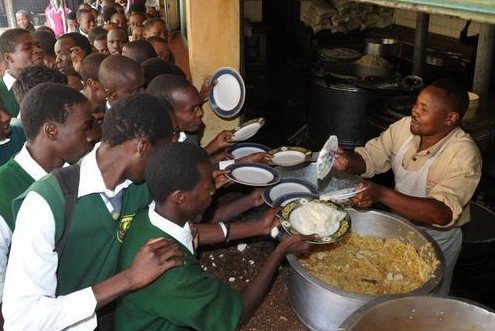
(221, 179)
(296, 244)
(368, 196)
(256, 158)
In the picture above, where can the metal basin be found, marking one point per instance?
(382, 47)
(321, 306)
(421, 313)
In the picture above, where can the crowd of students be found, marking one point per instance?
(103, 183)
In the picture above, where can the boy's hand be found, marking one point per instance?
(268, 221)
(296, 244)
(255, 158)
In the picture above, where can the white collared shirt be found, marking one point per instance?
(29, 301)
(9, 80)
(181, 234)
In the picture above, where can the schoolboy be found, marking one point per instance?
(186, 297)
(93, 90)
(155, 27)
(33, 76)
(47, 42)
(11, 136)
(86, 21)
(139, 51)
(162, 49)
(116, 39)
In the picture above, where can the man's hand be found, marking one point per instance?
(220, 142)
(371, 194)
(255, 158)
(296, 244)
(220, 178)
(152, 260)
(342, 160)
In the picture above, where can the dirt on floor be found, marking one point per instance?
(237, 265)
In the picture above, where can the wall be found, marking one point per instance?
(213, 36)
(440, 24)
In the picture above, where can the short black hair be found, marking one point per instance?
(155, 67)
(152, 21)
(107, 12)
(32, 76)
(115, 67)
(97, 33)
(157, 39)
(174, 167)
(72, 16)
(456, 95)
(91, 66)
(47, 41)
(8, 40)
(47, 102)
(137, 115)
(140, 50)
(163, 85)
(137, 8)
(79, 40)
(46, 29)
(82, 11)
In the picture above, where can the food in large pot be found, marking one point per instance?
(372, 266)
(322, 306)
(421, 313)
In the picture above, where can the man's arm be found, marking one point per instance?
(31, 281)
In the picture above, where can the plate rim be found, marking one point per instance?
(276, 203)
(347, 195)
(343, 230)
(266, 192)
(214, 106)
(307, 153)
(247, 144)
(260, 120)
(275, 180)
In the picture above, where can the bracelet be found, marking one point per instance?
(227, 236)
(224, 228)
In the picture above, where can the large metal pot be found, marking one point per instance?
(382, 47)
(421, 313)
(321, 306)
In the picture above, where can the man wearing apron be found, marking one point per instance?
(436, 165)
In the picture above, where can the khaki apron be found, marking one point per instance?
(413, 183)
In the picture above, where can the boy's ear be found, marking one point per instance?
(50, 129)
(143, 146)
(178, 197)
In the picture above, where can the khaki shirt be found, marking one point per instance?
(453, 176)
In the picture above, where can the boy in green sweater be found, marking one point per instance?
(11, 136)
(179, 176)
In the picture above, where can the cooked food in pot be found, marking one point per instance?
(372, 266)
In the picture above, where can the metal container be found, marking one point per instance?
(320, 306)
(385, 47)
(421, 313)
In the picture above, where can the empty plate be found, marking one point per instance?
(245, 149)
(228, 94)
(290, 156)
(287, 186)
(325, 158)
(248, 129)
(285, 199)
(253, 174)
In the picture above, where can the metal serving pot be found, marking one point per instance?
(382, 47)
(420, 313)
(320, 306)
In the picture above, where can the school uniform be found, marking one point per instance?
(183, 298)
(12, 145)
(45, 292)
(448, 171)
(7, 95)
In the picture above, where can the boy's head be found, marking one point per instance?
(138, 33)
(138, 123)
(156, 66)
(161, 48)
(47, 43)
(89, 75)
(64, 47)
(120, 76)
(107, 13)
(5, 118)
(139, 50)
(96, 32)
(116, 39)
(136, 19)
(20, 49)
(59, 116)
(86, 20)
(180, 174)
(34, 76)
(184, 99)
(100, 44)
(23, 19)
(155, 27)
(71, 22)
(119, 19)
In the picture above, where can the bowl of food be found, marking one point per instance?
(384, 255)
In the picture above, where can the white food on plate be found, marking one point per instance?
(316, 218)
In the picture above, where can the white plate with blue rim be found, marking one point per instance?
(287, 186)
(253, 174)
(228, 93)
(285, 199)
(245, 149)
(248, 129)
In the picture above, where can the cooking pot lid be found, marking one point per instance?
(339, 54)
(365, 77)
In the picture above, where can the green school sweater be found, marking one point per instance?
(9, 102)
(13, 182)
(11, 148)
(94, 240)
(183, 298)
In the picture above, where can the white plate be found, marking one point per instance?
(248, 129)
(285, 199)
(325, 160)
(341, 194)
(228, 93)
(289, 156)
(287, 186)
(253, 174)
(242, 150)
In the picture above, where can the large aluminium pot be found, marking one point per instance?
(384, 47)
(321, 306)
(421, 313)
